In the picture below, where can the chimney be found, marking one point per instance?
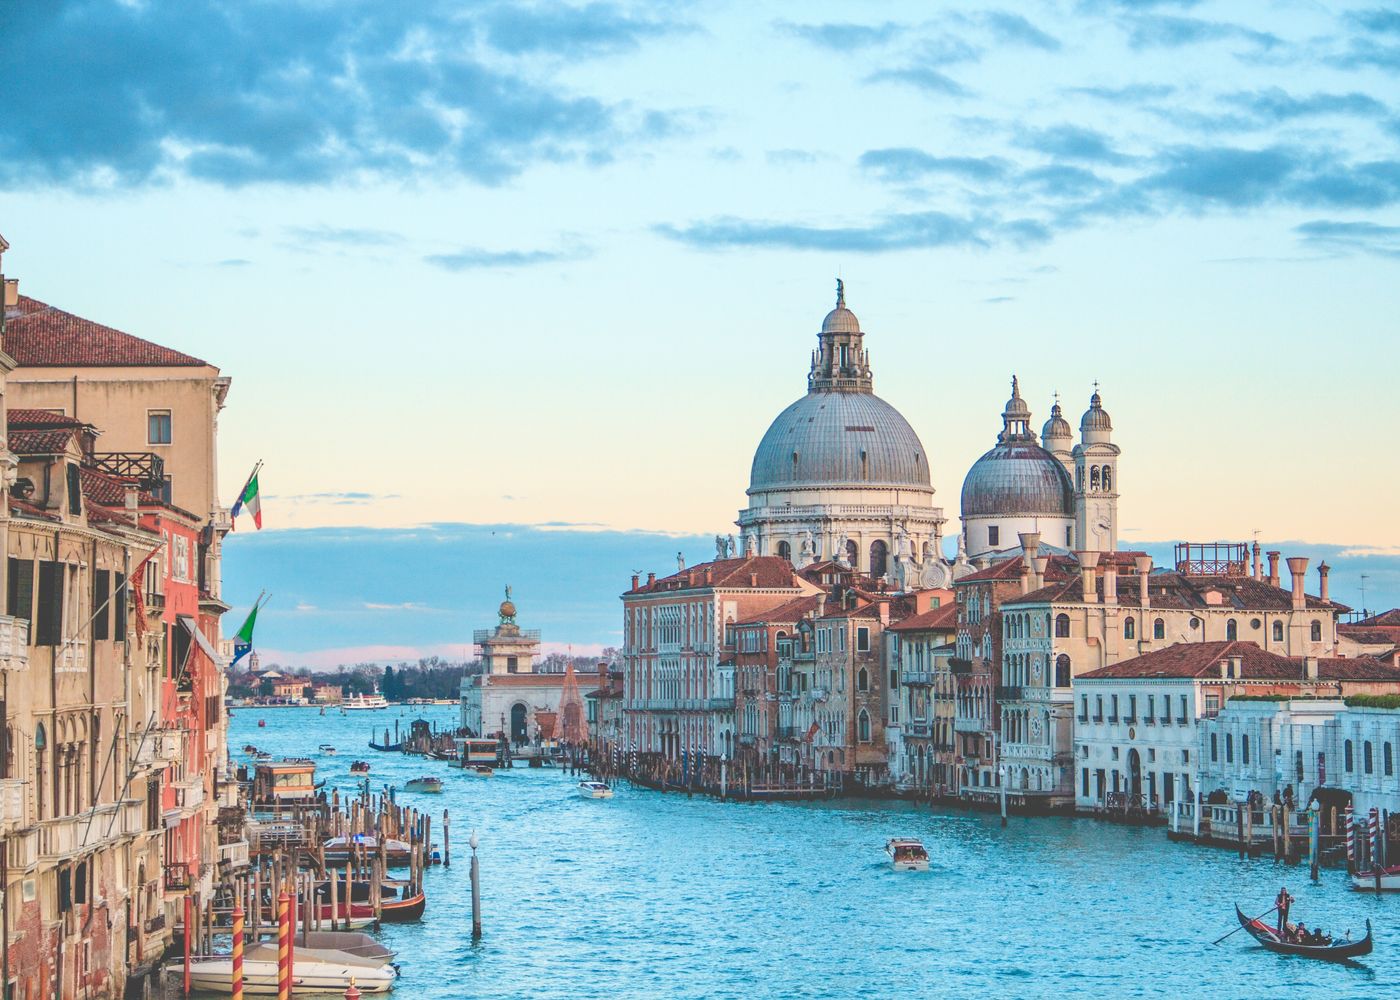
(1310, 668)
(1298, 566)
(651, 579)
(1030, 545)
(1110, 584)
(1258, 569)
(1088, 563)
(753, 580)
(1237, 667)
(635, 580)
(1144, 568)
(884, 609)
(1040, 564)
(680, 562)
(1322, 590)
(709, 574)
(132, 497)
(821, 605)
(1273, 568)
(1025, 577)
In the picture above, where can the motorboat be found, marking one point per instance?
(1378, 880)
(310, 974)
(365, 703)
(478, 770)
(594, 790)
(338, 849)
(359, 767)
(907, 854)
(427, 783)
(327, 749)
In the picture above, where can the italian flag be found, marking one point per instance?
(249, 499)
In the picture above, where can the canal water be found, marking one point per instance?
(652, 895)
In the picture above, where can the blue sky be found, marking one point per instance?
(509, 263)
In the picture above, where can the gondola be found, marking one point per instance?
(387, 747)
(1337, 951)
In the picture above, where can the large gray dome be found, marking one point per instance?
(1018, 477)
(839, 439)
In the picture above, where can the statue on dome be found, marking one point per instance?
(809, 548)
(720, 547)
(843, 552)
(750, 547)
(731, 547)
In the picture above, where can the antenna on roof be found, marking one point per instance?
(1364, 612)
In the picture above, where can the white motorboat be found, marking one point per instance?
(594, 790)
(1388, 879)
(214, 974)
(365, 703)
(907, 855)
(327, 749)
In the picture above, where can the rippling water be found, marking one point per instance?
(651, 895)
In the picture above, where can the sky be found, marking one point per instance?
(514, 265)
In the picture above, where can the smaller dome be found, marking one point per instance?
(1095, 417)
(840, 320)
(507, 609)
(1016, 406)
(1057, 426)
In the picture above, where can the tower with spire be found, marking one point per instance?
(840, 363)
(1096, 480)
(1057, 437)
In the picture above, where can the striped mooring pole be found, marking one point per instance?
(284, 947)
(1375, 844)
(1351, 840)
(237, 979)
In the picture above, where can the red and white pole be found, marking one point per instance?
(284, 944)
(1375, 844)
(1351, 840)
(237, 979)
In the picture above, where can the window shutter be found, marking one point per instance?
(75, 491)
(101, 596)
(21, 602)
(120, 599)
(48, 628)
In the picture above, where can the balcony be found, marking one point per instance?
(962, 725)
(916, 678)
(61, 838)
(14, 643)
(234, 855)
(815, 695)
(71, 657)
(189, 795)
(22, 850)
(919, 730)
(11, 804)
(221, 520)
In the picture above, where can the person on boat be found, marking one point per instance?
(1283, 902)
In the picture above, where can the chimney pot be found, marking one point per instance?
(1040, 565)
(1273, 568)
(1298, 567)
(1310, 668)
(753, 579)
(1322, 587)
(1110, 584)
(651, 579)
(1088, 564)
(635, 580)
(821, 605)
(1258, 570)
(1144, 569)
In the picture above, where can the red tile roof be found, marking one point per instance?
(1177, 591)
(40, 442)
(21, 418)
(25, 509)
(38, 335)
(943, 618)
(1376, 636)
(1010, 569)
(790, 613)
(1389, 619)
(727, 574)
(1203, 659)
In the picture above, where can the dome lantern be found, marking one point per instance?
(840, 361)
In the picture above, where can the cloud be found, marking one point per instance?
(1132, 93)
(841, 36)
(1060, 181)
(898, 231)
(310, 237)
(233, 262)
(1351, 237)
(401, 606)
(120, 95)
(997, 300)
(1013, 29)
(1377, 20)
(1072, 142)
(904, 164)
(922, 78)
(1170, 32)
(791, 157)
(476, 258)
(1276, 105)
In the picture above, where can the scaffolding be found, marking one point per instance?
(1212, 558)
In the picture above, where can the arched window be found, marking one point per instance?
(1129, 628)
(862, 680)
(1317, 631)
(852, 552)
(1159, 629)
(1229, 748)
(1387, 760)
(1367, 763)
(784, 550)
(1244, 749)
(1062, 671)
(878, 553)
(1232, 630)
(1062, 626)
(1346, 756)
(1107, 479)
(863, 726)
(1278, 631)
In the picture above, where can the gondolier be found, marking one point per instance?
(1283, 902)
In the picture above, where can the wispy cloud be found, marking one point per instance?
(477, 258)
(1351, 237)
(571, 31)
(313, 237)
(904, 164)
(1172, 32)
(898, 231)
(1072, 142)
(841, 36)
(921, 78)
(1013, 29)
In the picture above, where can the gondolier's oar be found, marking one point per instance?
(1241, 926)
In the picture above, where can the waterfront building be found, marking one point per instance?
(1086, 621)
(604, 707)
(765, 684)
(841, 476)
(1136, 729)
(678, 652)
(922, 716)
(510, 697)
(291, 690)
(327, 694)
(1373, 635)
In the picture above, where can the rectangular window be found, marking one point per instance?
(75, 491)
(49, 626)
(1181, 719)
(1132, 708)
(119, 606)
(1084, 714)
(841, 637)
(1085, 773)
(994, 536)
(101, 598)
(863, 639)
(1186, 756)
(158, 426)
(1113, 708)
(21, 593)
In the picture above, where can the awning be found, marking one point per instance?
(202, 642)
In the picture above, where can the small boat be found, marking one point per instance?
(311, 975)
(1335, 951)
(359, 767)
(594, 790)
(362, 703)
(1382, 879)
(387, 747)
(398, 902)
(907, 855)
(251, 750)
(424, 784)
(262, 723)
(396, 852)
(478, 771)
(327, 749)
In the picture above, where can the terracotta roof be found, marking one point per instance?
(23, 418)
(1389, 619)
(1203, 659)
(943, 618)
(1010, 569)
(524, 680)
(1178, 591)
(26, 509)
(39, 335)
(98, 514)
(726, 574)
(1375, 636)
(40, 442)
(791, 612)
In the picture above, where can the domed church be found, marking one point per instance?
(1066, 492)
(841, 476)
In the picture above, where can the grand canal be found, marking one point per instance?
(651, 895)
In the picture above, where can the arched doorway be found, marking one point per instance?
(784, 550)
(1134, 774)
(517, 723)
(879, 553)
(852, 553)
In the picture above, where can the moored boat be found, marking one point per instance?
(1329, 951)
(427, 783)
(594, 790)
(214, 974)
(1378, 880)
(359, 767)
(907, 854)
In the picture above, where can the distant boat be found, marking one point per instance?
(907, 855)
(327, 749)
(478, 771)
(359, 767)
(594, 790)
(425, 784)
(262, 723)
(361, 703)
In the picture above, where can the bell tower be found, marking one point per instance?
(1096, 481)
(840, 363)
